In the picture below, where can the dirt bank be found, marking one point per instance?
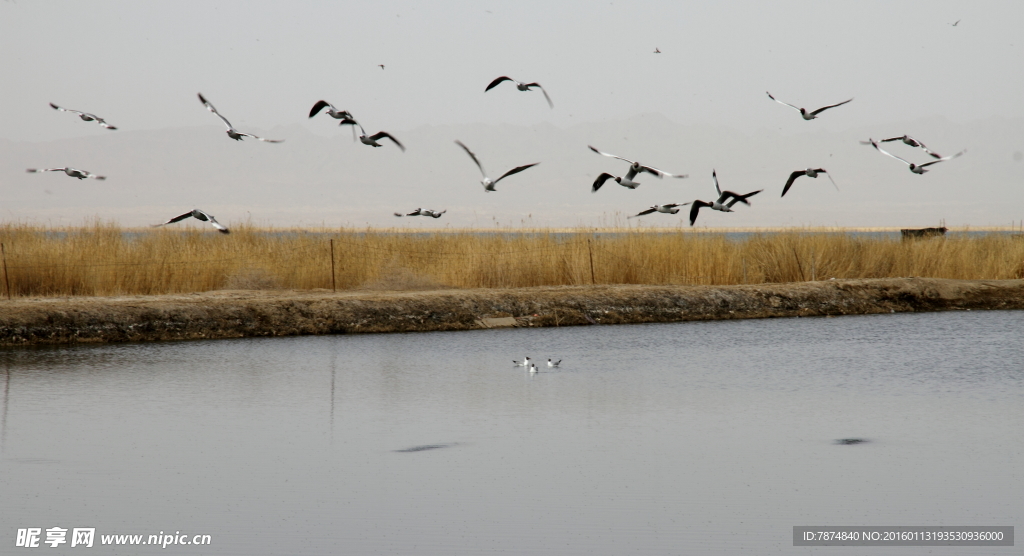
(236, 314)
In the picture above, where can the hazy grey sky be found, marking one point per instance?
(264, 64)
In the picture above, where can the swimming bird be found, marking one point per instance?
(553, 363)
(808, 115)
(534, 369)
(331, 110)
(524, 363)
(80, 174)
(198, 215)
(486, 182)
(809, 172)
(84, 115)
(671, 208)
(421, 212)
(634, 169)
(372, 139)
(907, 140)
(521, 86)
(915, 168)
(721, 203)
(232, 132)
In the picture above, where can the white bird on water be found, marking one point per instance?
(553, 363)
(74, 173)
(486, 182)
(84, 115)
(634, 169)
(372, 139)
(803, 112)
(521, 86)
(915, 168)
(232, 132)
(809, 172)
(198, 215)
(533, 369)
(525, 362)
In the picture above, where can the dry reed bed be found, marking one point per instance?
(103, 259)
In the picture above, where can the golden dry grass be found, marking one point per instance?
(104, 259)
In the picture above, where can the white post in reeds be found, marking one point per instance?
(591, 251)
(334, 285)
(7, 280)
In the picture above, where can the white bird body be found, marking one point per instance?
(84, 115)
(331, 110)
(371, 140)
(489, 185)
(524, 363)
(533, 369)
(809, 172)
(232, 132)
(724, 203)
(424, 212)
(671, 208)
(915, 168)
(521, 86)
(908, 140)
(634, 169)
(73, 172)
(198, 215)
(556, 363)
(804, 113)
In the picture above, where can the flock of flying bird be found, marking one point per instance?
(724, 202)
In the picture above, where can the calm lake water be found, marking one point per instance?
(703, 437)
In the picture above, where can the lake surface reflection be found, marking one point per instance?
(703, 437)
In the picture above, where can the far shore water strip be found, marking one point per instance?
(242, 313)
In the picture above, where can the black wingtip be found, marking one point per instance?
(54, 106)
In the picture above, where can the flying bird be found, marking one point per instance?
(656, 51)
(232, 132)
(521, 86)
(726, 199)
(372, 139)
(331, 110)
(908, 140)
(634, 169)
(486, 182)
(381, 66)
(198, 215)
(84, 115)
(803, 112)
(955, 24)
(671, 208)
(915, 168)
(421, 212)
(809, 172)
(80, 174)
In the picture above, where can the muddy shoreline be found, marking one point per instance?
(238, 314)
